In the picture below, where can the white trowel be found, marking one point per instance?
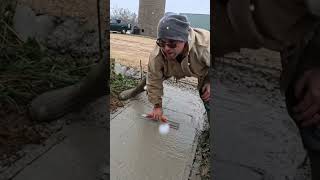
(163, 127)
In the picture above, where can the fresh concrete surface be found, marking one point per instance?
(139, 152)
(81, 155)
(253, 139)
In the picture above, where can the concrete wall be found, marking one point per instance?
(76, 30)
(150, 12)
(83, 9)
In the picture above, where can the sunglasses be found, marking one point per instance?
(171, 44)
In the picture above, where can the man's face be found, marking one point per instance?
(171, 48)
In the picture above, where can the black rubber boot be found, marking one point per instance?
(54, 104)
(127, 94)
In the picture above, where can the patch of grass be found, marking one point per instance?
(120, 83)
(27, 71)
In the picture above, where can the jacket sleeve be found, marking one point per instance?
(205, 60)
(206, 57)
(155, 80)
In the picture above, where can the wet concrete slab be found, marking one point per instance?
(138, 151)
(254, 139)
(79, 156)
(82, 153)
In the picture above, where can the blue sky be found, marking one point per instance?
(177, 6)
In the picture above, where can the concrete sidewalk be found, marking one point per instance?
(79, 151)
(137, 149)
(254, 140)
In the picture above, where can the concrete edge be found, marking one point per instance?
(32, 156)
(188, 170)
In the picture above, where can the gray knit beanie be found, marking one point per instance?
(173, 26)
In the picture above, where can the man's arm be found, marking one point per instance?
(204, 81)
(155, 81)
(206, 59)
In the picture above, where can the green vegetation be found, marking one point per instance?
(27, 69)
(120, 83)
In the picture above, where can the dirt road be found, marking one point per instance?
(129, 50)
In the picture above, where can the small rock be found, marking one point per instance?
(205, 171)
(138, 75)
(130, 73)
(74, 37)
(119, 69)
(269, 86)
(44, 25)
(65, 36)
(28, 25)
(24, 22)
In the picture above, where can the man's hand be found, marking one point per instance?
(307, 91)
(205, 92)
(157, 114)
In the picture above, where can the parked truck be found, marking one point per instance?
(119, 26)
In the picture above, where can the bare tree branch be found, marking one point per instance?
(124, 15)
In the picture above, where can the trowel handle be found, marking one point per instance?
(162, 119)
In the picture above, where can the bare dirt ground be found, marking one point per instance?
(129, 50)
